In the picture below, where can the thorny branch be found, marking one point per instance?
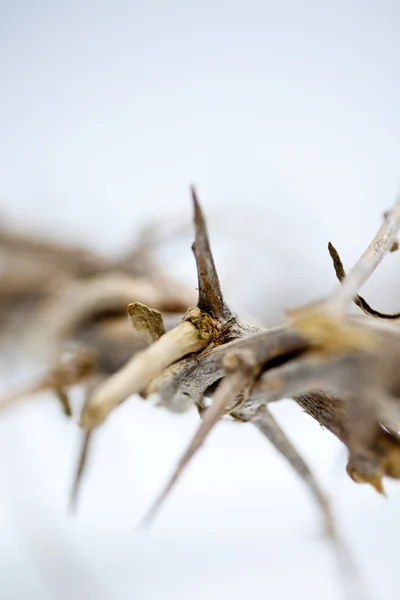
(319, 348)
(342, 370)
(62, 301)
(192, 335)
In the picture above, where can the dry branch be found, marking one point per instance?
(341, 370)
(194, 333)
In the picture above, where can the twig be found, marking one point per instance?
(192, 335)
(82, 299)
(194, 375)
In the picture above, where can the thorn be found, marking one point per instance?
(226, 393)
(64, 401)
(210, 295)
(80, 472)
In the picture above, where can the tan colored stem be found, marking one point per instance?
(194, 334)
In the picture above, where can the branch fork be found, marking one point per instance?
(192, 335)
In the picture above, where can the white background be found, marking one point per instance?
(286, 116)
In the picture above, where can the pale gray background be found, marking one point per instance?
(286, 116)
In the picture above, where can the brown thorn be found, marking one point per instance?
(80, 470)
(210, 295)
(64, 401)
(226, 393)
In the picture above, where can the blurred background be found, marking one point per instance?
(286, 117)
